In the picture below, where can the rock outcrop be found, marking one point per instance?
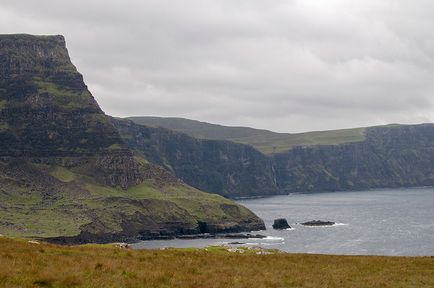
(318, 223)
(280, 224)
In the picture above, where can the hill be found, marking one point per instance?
(65, 172)
(263, 140)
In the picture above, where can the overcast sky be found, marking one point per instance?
(287, 66)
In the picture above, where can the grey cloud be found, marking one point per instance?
(282, 65)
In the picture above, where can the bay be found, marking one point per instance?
(392, 222)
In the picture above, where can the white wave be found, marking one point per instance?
(340, 224)
(273, 238)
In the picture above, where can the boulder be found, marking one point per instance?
(280, 224)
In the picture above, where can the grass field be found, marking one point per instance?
(23, 264)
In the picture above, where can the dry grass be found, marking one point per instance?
(30, 265)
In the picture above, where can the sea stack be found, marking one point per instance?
(280, 224)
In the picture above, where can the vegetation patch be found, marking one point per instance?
(3, 125)
(3, 104)
(141, 191)
(68, 99)
(114, 147)
(63, 174)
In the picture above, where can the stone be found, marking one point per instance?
(121, 245)
(280, 224)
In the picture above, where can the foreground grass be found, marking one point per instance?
(23, 264)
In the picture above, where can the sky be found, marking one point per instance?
(287, 66)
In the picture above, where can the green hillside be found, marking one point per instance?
(49, 201)
(263, 140)
(201, 130)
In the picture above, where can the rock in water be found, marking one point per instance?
(280, 224)
(318, 223)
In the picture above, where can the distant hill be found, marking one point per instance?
(264, 140)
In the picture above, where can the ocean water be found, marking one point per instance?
(394, 222)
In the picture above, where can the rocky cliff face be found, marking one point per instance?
(222, 167)
(47, 111)
(389, 156)
(395, 156)
(65, 171)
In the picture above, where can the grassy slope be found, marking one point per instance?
(263, 140)
(30, 265)
(201, 130)
(79, 200)
(283, 142)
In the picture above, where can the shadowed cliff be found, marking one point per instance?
(351, 159)
(222, 167)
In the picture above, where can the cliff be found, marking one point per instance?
(65, 172)
(221, 167)
(47, 111)
(351, 159)
(391, 156)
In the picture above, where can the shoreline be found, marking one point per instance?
(334, 191)
(122, 245)
(107, 239)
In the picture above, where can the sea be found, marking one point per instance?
(391, 222)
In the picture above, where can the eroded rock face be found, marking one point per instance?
(46, 110)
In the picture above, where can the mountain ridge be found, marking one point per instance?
(266, 141)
